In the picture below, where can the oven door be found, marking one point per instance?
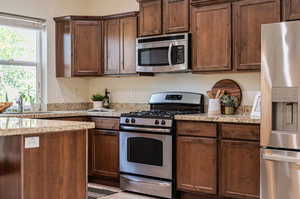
(146, 154)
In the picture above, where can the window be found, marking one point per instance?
(21, 59)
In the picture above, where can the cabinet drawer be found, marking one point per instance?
(237, 131)
(197, 129)
(106, 123)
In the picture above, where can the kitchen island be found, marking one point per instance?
(43, 159)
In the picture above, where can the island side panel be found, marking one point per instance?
(57, 168)
(10, 167)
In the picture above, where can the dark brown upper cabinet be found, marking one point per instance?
(120, 33)
(211, 37)
(291, 9)
(78, 46)
(163, 16)
(175, 16)
(248, 16)
(150, 21)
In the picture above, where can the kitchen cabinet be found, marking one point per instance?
(105, 153)
(78, 46)
(120, 33)
(196, 162)
(239, 169)
(291, 9)
(163, 16)
(248, 16)
(150, 18)
(211, 37)
(175, 16)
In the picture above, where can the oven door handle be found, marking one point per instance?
(145, 129)
(170, 54)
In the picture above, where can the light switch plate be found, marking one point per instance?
(32, 142)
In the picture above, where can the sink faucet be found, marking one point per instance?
(20, 103)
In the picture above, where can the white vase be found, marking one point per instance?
(98, 104)
(214, 107)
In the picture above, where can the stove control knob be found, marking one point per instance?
(127, 120)
(163, 122)
(132, 121)
(156, 122)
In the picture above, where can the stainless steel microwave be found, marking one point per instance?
(161, 54)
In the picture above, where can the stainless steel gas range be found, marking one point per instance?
(147, 140)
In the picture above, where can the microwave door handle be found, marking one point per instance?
(170, 54)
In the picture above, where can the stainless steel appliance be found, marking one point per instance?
(280, 133)
(146, 143)
(160, 54)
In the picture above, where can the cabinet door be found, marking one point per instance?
(211, 29)
(150, 22)
(104, 153)
(248, 16)
(112, 46)
(176, 16)
(196, 164)
(87, 57)
(291, 9)
(240, 169)
(128, 45)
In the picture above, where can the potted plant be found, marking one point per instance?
(97, 101)
(230, 104)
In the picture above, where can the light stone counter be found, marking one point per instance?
(21, 126)
(222, 118)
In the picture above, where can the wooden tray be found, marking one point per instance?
(231, 87)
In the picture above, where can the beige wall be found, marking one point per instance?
(59, 90)
(138, 89)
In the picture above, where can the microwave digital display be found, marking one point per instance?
(174, 97)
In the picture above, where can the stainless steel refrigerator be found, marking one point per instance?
(280, 133)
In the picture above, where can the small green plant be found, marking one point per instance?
(229, 101)
(97, 98)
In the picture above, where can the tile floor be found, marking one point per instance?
(119, 194)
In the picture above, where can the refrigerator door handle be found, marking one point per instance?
(281, 158)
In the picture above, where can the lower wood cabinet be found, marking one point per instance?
(197, 164)
(239, 169)
(104, 153)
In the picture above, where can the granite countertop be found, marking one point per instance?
(21, 126)
(193, 117)
(245, 119)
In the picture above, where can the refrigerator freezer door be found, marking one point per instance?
(280, 85)
(280, 174)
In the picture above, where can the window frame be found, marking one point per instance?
(39, 25)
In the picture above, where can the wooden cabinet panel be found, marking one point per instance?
(211, 29)
(197, 164)
(111, 46)
(239, 131)
(248, 16)
(291, 9)
(86, 48)
(150, 21)
(128, 45)
(175, 16)
(240, 169)
(57, 169)
(104, 153)
(106, 123)
(196, 129)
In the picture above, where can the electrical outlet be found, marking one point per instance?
(32, 142)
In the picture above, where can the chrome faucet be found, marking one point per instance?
(20, 103)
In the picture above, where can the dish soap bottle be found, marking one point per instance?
(106, 102)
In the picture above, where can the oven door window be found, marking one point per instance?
(153, 56)
(145, 151)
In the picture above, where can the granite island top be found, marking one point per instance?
(193, 117)
(10, 126)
